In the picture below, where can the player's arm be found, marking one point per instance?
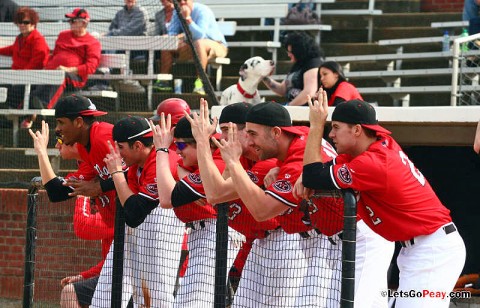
(261, 206)
(476, 143)
(217, 189)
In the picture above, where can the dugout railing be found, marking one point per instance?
(52, 251)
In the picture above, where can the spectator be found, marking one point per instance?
(333, 81)
(302, 80)
(131, 20)
(77, 53)
(7, 10)
(395, 199)
(163, 17)
(470, 9)
(207, 38)
(29, 51)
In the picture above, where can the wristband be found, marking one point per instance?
(118, 171)
(166, 150)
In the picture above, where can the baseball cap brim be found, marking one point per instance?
(95, 113)
(292, 129)
(377, 128)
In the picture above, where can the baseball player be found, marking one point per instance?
(157, 237)
(274, 254)
(73, 138)
(187, 197)
(397, 201)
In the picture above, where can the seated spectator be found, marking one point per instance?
(334, 83)
(163, 17)
(29, 51)
(470, 9)
(302, 80)
(208, 40)
(77, 53)
(131, 20)
(7, 10)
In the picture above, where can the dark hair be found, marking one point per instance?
(334, 67)
(23, 12)
(303, 45)
(146, 142)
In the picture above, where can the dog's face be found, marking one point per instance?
(256, 67)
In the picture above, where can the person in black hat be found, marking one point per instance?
(218, 190)
(158, 233)
(396, 200)
(184, 192)
(76, 127)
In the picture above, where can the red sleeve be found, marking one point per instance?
(194, 181)
(95, 270)
(6, 51)
(92, 57)
(84, 172)
(88, 225)
(40, 52)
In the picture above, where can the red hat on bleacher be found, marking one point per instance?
(78, 13)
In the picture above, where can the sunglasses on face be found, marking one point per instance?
(24, 22)
(181, 145)
(74, 20)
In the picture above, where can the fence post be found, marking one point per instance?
(348, 249)
(118, 255)
(31, 235)
(221, 251)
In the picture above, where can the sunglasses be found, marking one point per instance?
(24, 22)
(181, 145)
(74, 20)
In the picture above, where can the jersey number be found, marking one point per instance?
(376, 220)
(415, 172)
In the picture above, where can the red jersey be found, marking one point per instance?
(143, 181)
(100, 132)
(194, 211)
(28, 53)
(239, 217)
(397, 201)
(82, 52)
(89, 225)
(345, 90)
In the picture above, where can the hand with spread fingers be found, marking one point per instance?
(113, 160)
(90, 188)
(40, 139)
(162, 133)
(202, 129)
(318, 109)
(232, 149)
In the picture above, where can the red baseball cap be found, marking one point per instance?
(78, 13)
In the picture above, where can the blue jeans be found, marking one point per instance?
(470, 9)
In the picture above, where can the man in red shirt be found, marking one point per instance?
(77, 53)
(397, 201)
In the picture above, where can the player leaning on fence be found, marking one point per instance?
(397, 201)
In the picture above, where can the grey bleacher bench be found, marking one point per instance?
(3, 95)
(28, 78)
(450, 24)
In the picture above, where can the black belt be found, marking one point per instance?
(447, 229)
(306, 234)
(192, 225)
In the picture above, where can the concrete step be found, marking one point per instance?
(385, 5)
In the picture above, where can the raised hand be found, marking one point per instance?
(162, 133)
(202, 129)
(318, 108)
(232, 149)
(113, 160)
(40, 139)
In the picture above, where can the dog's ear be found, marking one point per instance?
(242, 72)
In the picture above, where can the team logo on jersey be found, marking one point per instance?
(287, 176)
(152, 189)
(344, 175)
(195, 178)
(282, 186)
(252, 176)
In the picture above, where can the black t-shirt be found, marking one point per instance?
(294, 79)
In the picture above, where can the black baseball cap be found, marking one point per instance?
(272, 114)
(235, 113)
(76, 105)
(131, 128)
(183, 129)
(358, 112)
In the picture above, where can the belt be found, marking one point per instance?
(196, 225)
(309, 233)
(450, 228)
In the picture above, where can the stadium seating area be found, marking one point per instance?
(359, 34)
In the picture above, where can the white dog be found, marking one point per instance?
(251, 73)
